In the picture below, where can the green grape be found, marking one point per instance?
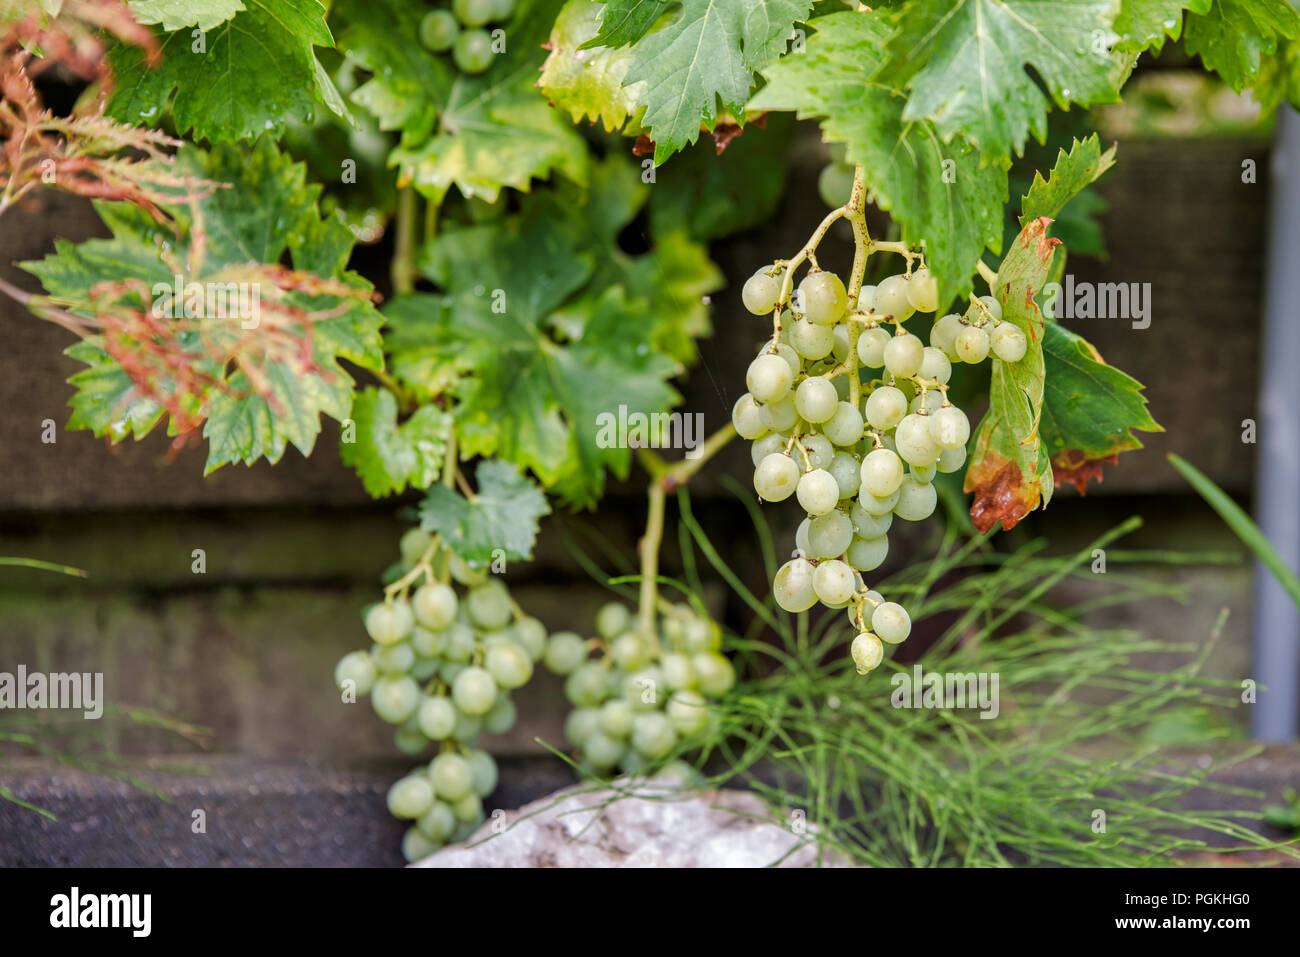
(616, 717)
(472, 13)
(891, 623)
(876, 506)
(904, 355)
(395, 698)
(1008, 343)
(629, 651)
(436, 717)
(438, 30)
(588, 685)
(776, 478)
(677, 670)
(844, 468)
(410, 740)
(395, 659)
(840, 345)
(867, 299)
(812, 341)
(434, 606)
(580, 724)
(450, 669)
(410, 797)
(502, 10)
(829, 535)
(868, 554)
(930, 401)
(437, 823)
(824, 299)
(388, 623)
(687, 711)
(935, 365)
(653, 735)
(427, 643)
(463, 831)
(531, 635)
(972, 345)
(425, 668)
(923, 291)
(916, 500)
(468, 810)
(881, 472)
(769, 444)
(819, 449)
(458, 643)
(641, 688)
(916, 445)
(994, 307)
(943, 336)
(463, 573)
(768, 378)
(761, 291)
(488, 605)
(866, 525)
(613, 619)
(501, 717)
(702, 634)
(483, 769)
(834, 582)
(564, 652)
(416, 847)
(414, 543)
(359, 668)
(950, 428)
(632, 763)
(745, 418)
(779, 416)
(474, 691)
(793, 585)
(891, 298)
(885, 407)
(817, 491)
(792, 359)
(816, 400)
(509, 666)
(950, 460)
(867, 652)
(835, 184)
(601, 751)
(845, 426)
(714, 673)
(923, 473)
(871, 347)
(452, 777)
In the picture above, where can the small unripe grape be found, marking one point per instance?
(781, 415)
(410, 797)
(472, 52)
(472, 13)
(463, 573)
(817, 491)
(867, 652)
(867, 554)
(434, 605)
(994, 307)
(873, 505)
(950, 428)
(824, 298)
(616, 717)
(881, 472)
(613, 619)
(931, 401)
(502, 9)
(483, 768)
(744, 416)
(580, 724)
(501, 717)
(867, 299)
(972, 345)
(509, 665)
(451, 776)
(845, 426)
(359, 668)
(458, 642)
(776, 477)
(792, 586)
(768, 378)
(815, 400)
(834, 582)
(428, 643)
(653, 735)
(488, 605)
(388, 623)
(438, 30)
(830, 534)
(395, 659)
(602, 751)
(792, 358)
(923, 291)
(844, 467)
(819, 449)
(641, 688)
(416, 847)
(869, 526)
(530, 635)
(395, 698)
(924, 473)
(891, 298)
(1008, 343)
(474, 691)
(891, 623)
(801, 537)
(437, 823)
(687, 711)
(677, 670)
(587, 685)
(714, 674)
(886, 407)
(414, 543)
(812, 341)
(761, 292)
(630, 651)
(943, 336)
(935, 365)
(904, 355)
(916, 500)
(767, 445)
(871, 347)
(950, 460)
(840, 342)
(436, 717)
(916, 444)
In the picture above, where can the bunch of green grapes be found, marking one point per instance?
(855, 468)
(461, 31)
(441, 668)
(640, 694)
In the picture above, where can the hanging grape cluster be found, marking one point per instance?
(854, 469)
(640, 694)
(461, 31)
(442, 666)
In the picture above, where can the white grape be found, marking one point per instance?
(943, 336)
(867, 554)
(881, 472)
(972, 345)
(395, 698)
(873, 505)
(840, 342)
(483, 769)
(389, 622)
(474, 691)
(768, 378)
(867, 652)
(819, 449)
(463, 573)
(950, 428)
(810, 340)
(834, 582)
(436, 717)
(890, 622)
(867, 299)
(886, 407)
(830, 534)
(916, 500)
(410, 797)
(565, 650)
(434, 605)
(761, 292)
(579, 725)
(792, 358)
(824, 298)
(395, 659)
(357, 667)
(776, 477)
(616, 717)
(916, 445)
(687, 711)
(869, 526)
(871, 347)
(426, 642)
(509, 665)
(530, 635)
(846, 470)
(772, 442)
(451, 776)
(745, 418)
(677, 670)
(816, 400)
(923, 291)
(935, 365)
(601, 751)
(714, 673)
(904, 355)
(437, 823)
(891, 298)
(994, 307)
(801, 537)
(930, 401)
(587, 685)
(792, 585)
(653, 735)
(488, 605)
(817, 491)
(415, 846)
(950, 460)
(501, 717)
(1008, 343)
(630, 651)
(413, 544)
(845, 427)
(781, 415)
(924, 473)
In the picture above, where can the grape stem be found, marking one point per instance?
(988, 274)
(403, 268)
(423, 567)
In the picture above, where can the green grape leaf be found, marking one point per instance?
(1009, 471)
(174, 14)
(499, 520)
(243, 77)
(257, 373)
(938, 192)
(586, 80)
(703, 56)
(965, 63)
(1090, 409)
(477, 133)
(1244, 41)
(390, 456)
(625, 21)
(1084, 164)
(1145, 24)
